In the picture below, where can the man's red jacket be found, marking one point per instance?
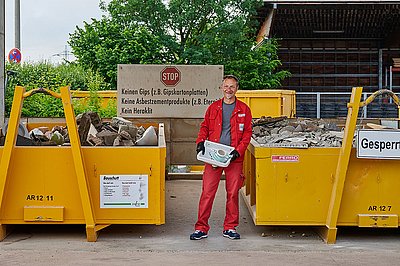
(241, 131)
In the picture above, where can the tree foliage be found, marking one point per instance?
(220, 32)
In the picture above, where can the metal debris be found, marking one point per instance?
(296, 133)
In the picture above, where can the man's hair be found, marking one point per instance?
(231, 77)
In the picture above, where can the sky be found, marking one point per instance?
(46, 25)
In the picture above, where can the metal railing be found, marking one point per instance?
(334, 104)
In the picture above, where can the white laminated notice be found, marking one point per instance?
(216, 154)
(124, 191)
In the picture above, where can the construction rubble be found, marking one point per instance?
(296, 133)
(93, 132)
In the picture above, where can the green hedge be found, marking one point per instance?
(49, 76)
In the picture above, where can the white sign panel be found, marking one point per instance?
(378, 144)
(174, 91)
(124, 191)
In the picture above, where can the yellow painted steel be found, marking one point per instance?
(382, 92)
(325, 187)
(269, 102)
(104, 96)
(44, 213)
(42, 90)
(343, 162)
(365, 220)
(61, 185)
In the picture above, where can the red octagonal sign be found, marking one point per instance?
(170, 76)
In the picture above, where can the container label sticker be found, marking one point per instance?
(124, 191)
(285, 158)
(378, 144)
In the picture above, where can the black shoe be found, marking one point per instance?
(197, 235)
(231, 234)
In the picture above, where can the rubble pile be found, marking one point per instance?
(58, 135)
(299, 133)
(92, 132)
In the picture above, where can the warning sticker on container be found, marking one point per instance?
(285, 158)
(124, 191)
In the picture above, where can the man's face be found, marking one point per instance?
(229, 88)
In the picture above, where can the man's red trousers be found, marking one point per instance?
(233, 183)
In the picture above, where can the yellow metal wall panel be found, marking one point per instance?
(45, 176)
(131, 161)
(298, 193)
(104, 96)
(367, 220)
(295, 192)
(41, 176)
(269, 102)
(43, 213)
(371, 187)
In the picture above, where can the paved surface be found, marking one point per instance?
(169, 244)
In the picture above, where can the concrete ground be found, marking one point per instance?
(169, 244)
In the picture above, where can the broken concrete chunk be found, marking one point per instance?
(57, 138)
(149, 138)
(125, 135)
(43, 129)
(59, 129)
(132, 130)
(95, 141)
(95, 120)
(127, 143)
(298, 133)
(275, 130)
(92, 130)
(116, 121)
(37, 135)
(287, 128)
(48, 134)
(117, 141)
(83, 128)
(299, 128)
(78, 119)
(107, 136)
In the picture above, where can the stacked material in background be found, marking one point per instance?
(396, 62)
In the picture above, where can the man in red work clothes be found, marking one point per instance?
(227, 121)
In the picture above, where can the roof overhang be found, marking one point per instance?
(329, 19)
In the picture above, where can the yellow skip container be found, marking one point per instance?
(96, 186)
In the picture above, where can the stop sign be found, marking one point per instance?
(170, 76)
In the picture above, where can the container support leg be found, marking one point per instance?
(329, 232)
(8, 148)
(91, 232)
(3, 231)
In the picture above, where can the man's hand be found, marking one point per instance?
(200, 148)
(235, 154)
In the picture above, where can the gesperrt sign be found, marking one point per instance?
(167, 91)
(378, 144)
